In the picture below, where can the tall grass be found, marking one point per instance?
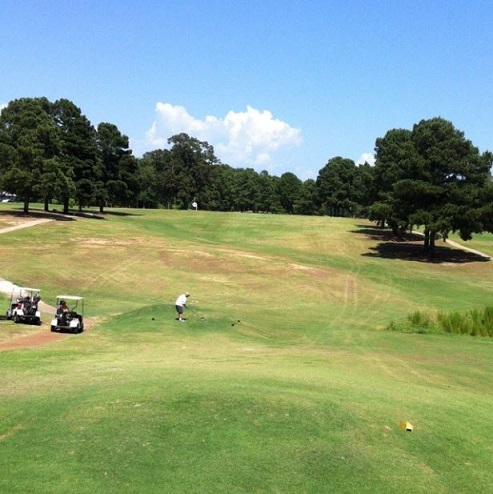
(474, 322)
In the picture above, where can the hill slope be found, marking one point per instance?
(281, 380)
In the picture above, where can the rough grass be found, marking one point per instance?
(474, 322)
(281, 380)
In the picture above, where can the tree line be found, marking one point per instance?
(430, 176)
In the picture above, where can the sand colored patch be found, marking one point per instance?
(104, 242)
(299, 266)
(41, 337)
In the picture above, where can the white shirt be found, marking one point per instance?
(181, 300)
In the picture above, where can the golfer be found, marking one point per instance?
(180, 303)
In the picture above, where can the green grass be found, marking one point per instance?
(282, 380)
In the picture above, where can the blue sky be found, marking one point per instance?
(274, 85)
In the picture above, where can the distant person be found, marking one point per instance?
(180, 304)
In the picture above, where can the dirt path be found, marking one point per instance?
(39, 337)
(24, 224)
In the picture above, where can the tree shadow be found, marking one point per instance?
(59, 215)
(411, 248)
(120, 213)
(36, 214)
(97, 215)
(377, 233)
(88, 214)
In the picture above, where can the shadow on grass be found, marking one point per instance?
(96, 215)
(57, 215)
(37, 214)
(410, 247)
(101, 216)
(120, 213)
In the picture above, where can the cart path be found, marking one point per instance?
(24, 224)
(459, 246)
(38, 338)
(38, 335)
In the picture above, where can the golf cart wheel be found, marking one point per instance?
(53, 329)
(17, 319)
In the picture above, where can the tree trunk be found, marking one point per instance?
(47, 204)
(431, 251)
(429, 245)
(26, 206)
(65, 205)
(426, 245)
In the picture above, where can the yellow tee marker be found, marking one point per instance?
(407, 426)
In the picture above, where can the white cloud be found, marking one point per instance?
(251, 138)
(366, 157)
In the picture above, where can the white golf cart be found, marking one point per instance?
(23, 306)
(69, 315)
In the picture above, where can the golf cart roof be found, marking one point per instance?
(27, 289)
(69, 297)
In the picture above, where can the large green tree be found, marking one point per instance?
(362, 189)
(79, 169)
(268, 200)
(289, 188)
(193, 167)
(336, 186)
(185, 173)
(434, 178)
(308, 198)
(157, 178)
(395, 159)
(29, 147)
(226, 185)
(118, 168)
(51, 151)
(245, 192)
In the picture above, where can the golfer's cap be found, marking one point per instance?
(187, 294)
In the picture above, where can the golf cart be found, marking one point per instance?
(23, 306)
(69, 314)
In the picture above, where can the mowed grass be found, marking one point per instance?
(281, 380)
